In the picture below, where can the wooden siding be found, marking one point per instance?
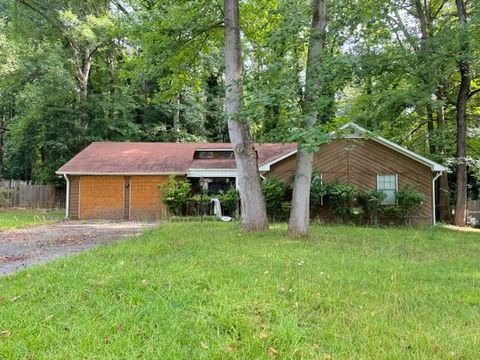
(101, 197)
(146, 198)
(74, 197)
(126, 199)
(358, 162)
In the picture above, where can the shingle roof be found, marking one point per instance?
(157, 158)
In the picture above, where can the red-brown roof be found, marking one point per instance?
(158, 158)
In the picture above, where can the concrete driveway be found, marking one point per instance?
(21, 248)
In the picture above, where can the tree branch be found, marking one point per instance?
(473, 92)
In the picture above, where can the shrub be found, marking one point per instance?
(356, 214)
(371, 200)
(229, 200)
(317, 191)
(340, 198)
(175, 194)
(273, 192)
(201, 198)
(198, 204)
(409, 201)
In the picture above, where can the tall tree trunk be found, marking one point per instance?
(254, 214)
(84, 64)
(430, 130)
(461, 107)
(83, 72)
(444, 191)
(425, 21)
(3, 118)
(176, 116)
(299, 221)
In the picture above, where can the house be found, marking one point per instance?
(111, 180)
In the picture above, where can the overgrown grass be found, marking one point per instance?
(205, 291)
(16, 218)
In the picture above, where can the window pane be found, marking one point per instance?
(390, 198)
(388, 184)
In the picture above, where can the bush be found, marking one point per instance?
(202, 198)
(198, 204)
(409, 201)
(317, 191)
(273, 192)
(371, 200)
(175, 194)
(229, 200)
(356, 214)
(340, 199)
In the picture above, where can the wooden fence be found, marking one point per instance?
(15, 193)
(473, 209)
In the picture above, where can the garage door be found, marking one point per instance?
(102, 197)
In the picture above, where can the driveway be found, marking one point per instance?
(21, 248)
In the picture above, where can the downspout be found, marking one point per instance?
(67, 200)
(439, 173)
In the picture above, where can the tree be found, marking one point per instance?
(254, 215)
(461, 107)
(300, 213)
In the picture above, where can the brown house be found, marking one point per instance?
(120, 180)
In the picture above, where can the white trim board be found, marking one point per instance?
(86, 173)
(199, 173)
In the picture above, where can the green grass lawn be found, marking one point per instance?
(205, 291)
(16, 218)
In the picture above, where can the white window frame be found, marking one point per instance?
(396, 186)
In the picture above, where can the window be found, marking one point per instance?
(389, 185)
(214, 154)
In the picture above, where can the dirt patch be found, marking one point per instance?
(25, 247)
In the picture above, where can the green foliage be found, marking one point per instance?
(372, 200)
(356, 214)
(203, 198)
(175, 194)
(197, 205)
(340, 199)
(409, 201)
(273, 191)
(151, 60)
(229, 200)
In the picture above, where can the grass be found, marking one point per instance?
(17, 218)
(205, 291)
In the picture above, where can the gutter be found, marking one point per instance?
(67, 200)
(86, 173)
(439, 173)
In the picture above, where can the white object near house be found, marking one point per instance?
(217, 210)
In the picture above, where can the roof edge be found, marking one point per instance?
(267, 165)
(85, 173)
(434, 166)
